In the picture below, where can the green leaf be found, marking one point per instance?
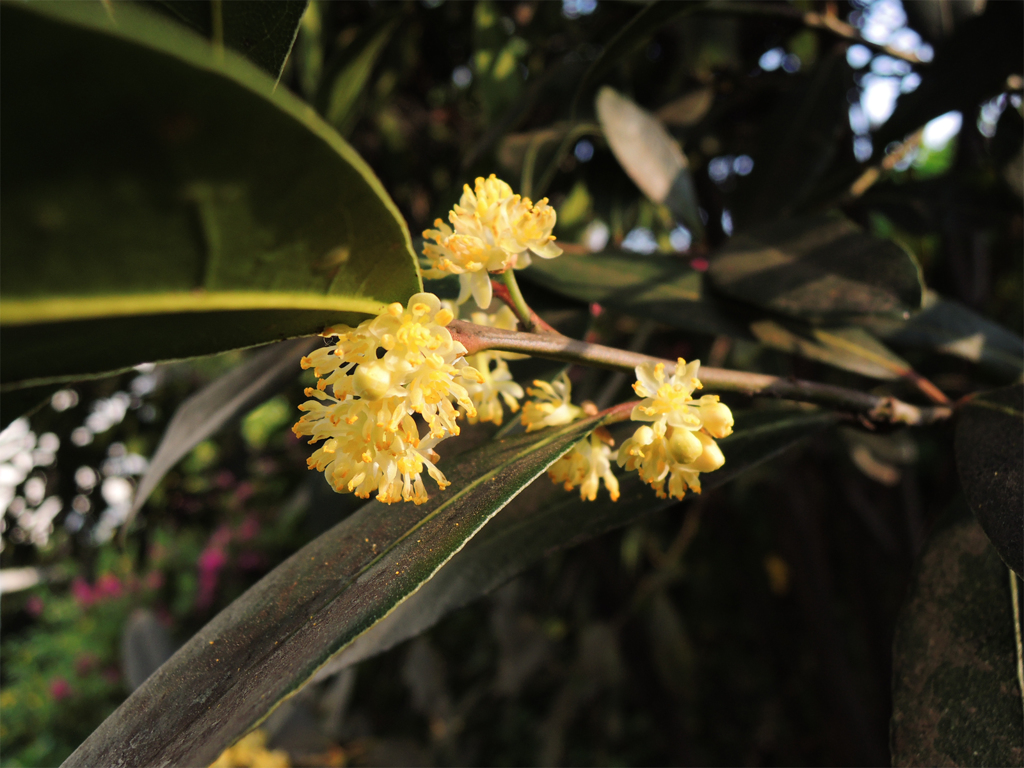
(222, 400)
(546, 519)
(956, 699)
(948, 327)
(353, 73)
(664, 288)
(990, 461)
(819, 268)
(262, 30)
(188, 207)
(649, 155)
(260, 649)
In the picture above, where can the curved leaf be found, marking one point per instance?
(187, 209)
(956, 699)
(262, 30)
(545, 519)
(652, 158)
(818, 268)
(223, 399)
(990, 461)
(352, 74)
(665, 288)
(272, 639)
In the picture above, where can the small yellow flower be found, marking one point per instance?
(678, 444)
(497, 384)
(551, 406)
(251, 752)
(380, 374)
(586, 465)
(491, 230)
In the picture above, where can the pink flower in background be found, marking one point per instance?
(85, 664)
(112, 675)
(82, 592)
(243, 491)
(59, 688)
(211, 561)
(250, 561)
(34, 605)
(108, 585)
(225, 479)
(249, 528)
(154, 580)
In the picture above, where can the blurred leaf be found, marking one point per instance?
(797, 145)
(309, 51)
(220, 401)
(990, 461)
(24, 402)
(353, 73)
(850, 348)
(649, 155)
(187, 209)
(688, 109)
(262, 30)
(949, 327)
(664, 288)
(818, 268)
(959, 78)
(955, 694)
(637, 32)
(496, 56)
(267, 643)
(547, 519)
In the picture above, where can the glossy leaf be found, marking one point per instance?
(665, 288)
(187, 209)
(819, 268)
(948, 327)
(649, 155)
(261, 648)
(545, 519)
(956, 699)
(990, 461)
(262, 30)
(223, 399)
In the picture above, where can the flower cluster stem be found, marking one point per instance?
(877, 408)
(517, 302)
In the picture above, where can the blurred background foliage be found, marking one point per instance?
(751, 625)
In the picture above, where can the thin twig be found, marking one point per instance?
(867, 179)
(1017, 632)
(501, 290)
(878, 408)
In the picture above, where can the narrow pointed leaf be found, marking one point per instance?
(819, 268)
(545, 519)
(956, 699)
(273, 638)
(990, 461)
(220, 401)
(188, 208)
(352, 74)
(262, 30)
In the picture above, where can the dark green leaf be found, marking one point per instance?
(797, 145)
(188, 207)
(664, 288)
(261, 648)
(990, 460)
(262, 30)
(949, 327)
(956, 699)
(24, 402)
(353, 73)
(651, 158)
(546, 519)
(821, 268)
(220, 401)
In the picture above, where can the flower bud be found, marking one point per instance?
(372, 381)
(683, 446)
(717, 419)
(711, 457)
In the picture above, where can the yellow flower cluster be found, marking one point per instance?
(496, 382)
(251, 752)
(491, 230)
(589, 462)
(380, 374)
(679, 443)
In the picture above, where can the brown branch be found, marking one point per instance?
(477, 338)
